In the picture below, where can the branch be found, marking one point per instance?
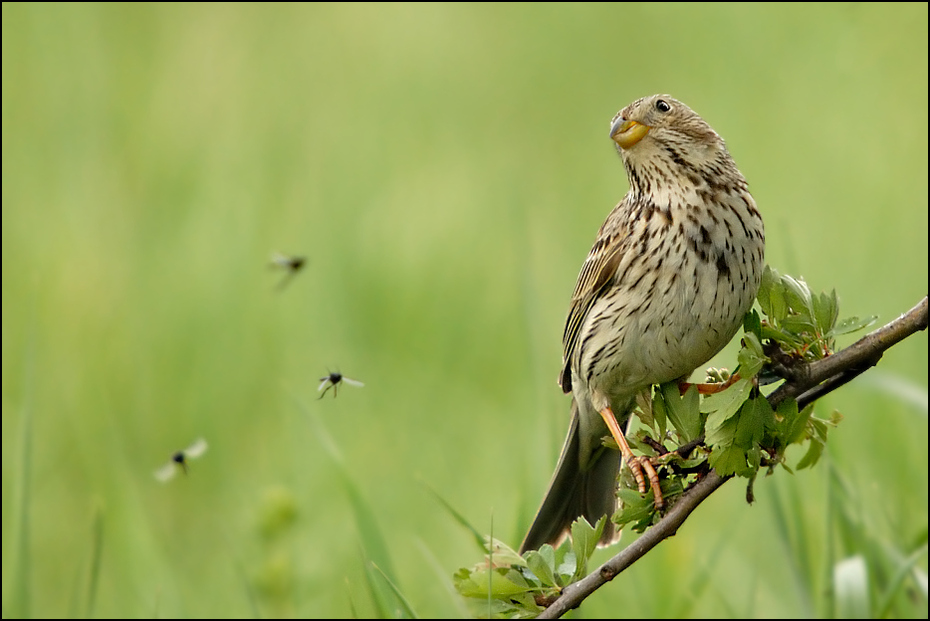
(807, 383)
(575, 593)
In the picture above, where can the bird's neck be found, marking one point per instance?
(668, 181)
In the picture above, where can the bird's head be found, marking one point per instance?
(665, 141)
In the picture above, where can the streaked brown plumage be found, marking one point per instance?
(673, 270)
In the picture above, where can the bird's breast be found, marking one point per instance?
(679, 293)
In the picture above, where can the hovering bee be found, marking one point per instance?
(179, 460)
(333, 380)
(291, 265)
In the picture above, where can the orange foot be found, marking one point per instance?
(709, 389)
(638, 465)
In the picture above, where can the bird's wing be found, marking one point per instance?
(596, 274)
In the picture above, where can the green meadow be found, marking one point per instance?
(444, 169)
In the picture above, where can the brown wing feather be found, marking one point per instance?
(596, 273)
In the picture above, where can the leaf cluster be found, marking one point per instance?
(740, 429)
(513, 586)
(803, 324)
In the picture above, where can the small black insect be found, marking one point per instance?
(333, 380)
(179, 460)
(291, 265)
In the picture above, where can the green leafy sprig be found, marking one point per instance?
(519, 587)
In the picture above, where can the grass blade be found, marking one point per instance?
(443, 577)
(406, 608)
(20, 599)
(94, 578)
(374, 546)
(458, 517)
(905, 569)
(796, 551)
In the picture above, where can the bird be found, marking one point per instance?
(672, 272)
(179, 460)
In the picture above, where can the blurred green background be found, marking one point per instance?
(445, 169)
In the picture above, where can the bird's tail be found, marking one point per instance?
(581, 486)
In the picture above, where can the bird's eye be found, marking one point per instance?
(662, 106)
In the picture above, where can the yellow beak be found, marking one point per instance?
(627, 133)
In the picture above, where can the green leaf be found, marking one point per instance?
(755, 418)
(771, 333)
(735, 441)
(729, 460)
(794, 423)
(475, 584)
(658, 410)
(584, 543)
(754, 459)
(852, 324)
(826, 310)
(814, 451)
(635, 509)
(682, 411)
(799, 324)
(752, 323)
(798, 295)
(724, 405)
(645, 413)
(751, 357)
(721, 435)
(567, 569)
(764, 296)
(778, 303)
(689, 413)
(585, 538)
(501, 553)
(542, 563)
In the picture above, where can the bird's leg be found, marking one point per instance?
(637, 464)
(709, 389)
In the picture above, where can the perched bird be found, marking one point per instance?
(179, 460)
(333, 380)
(672, 272)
